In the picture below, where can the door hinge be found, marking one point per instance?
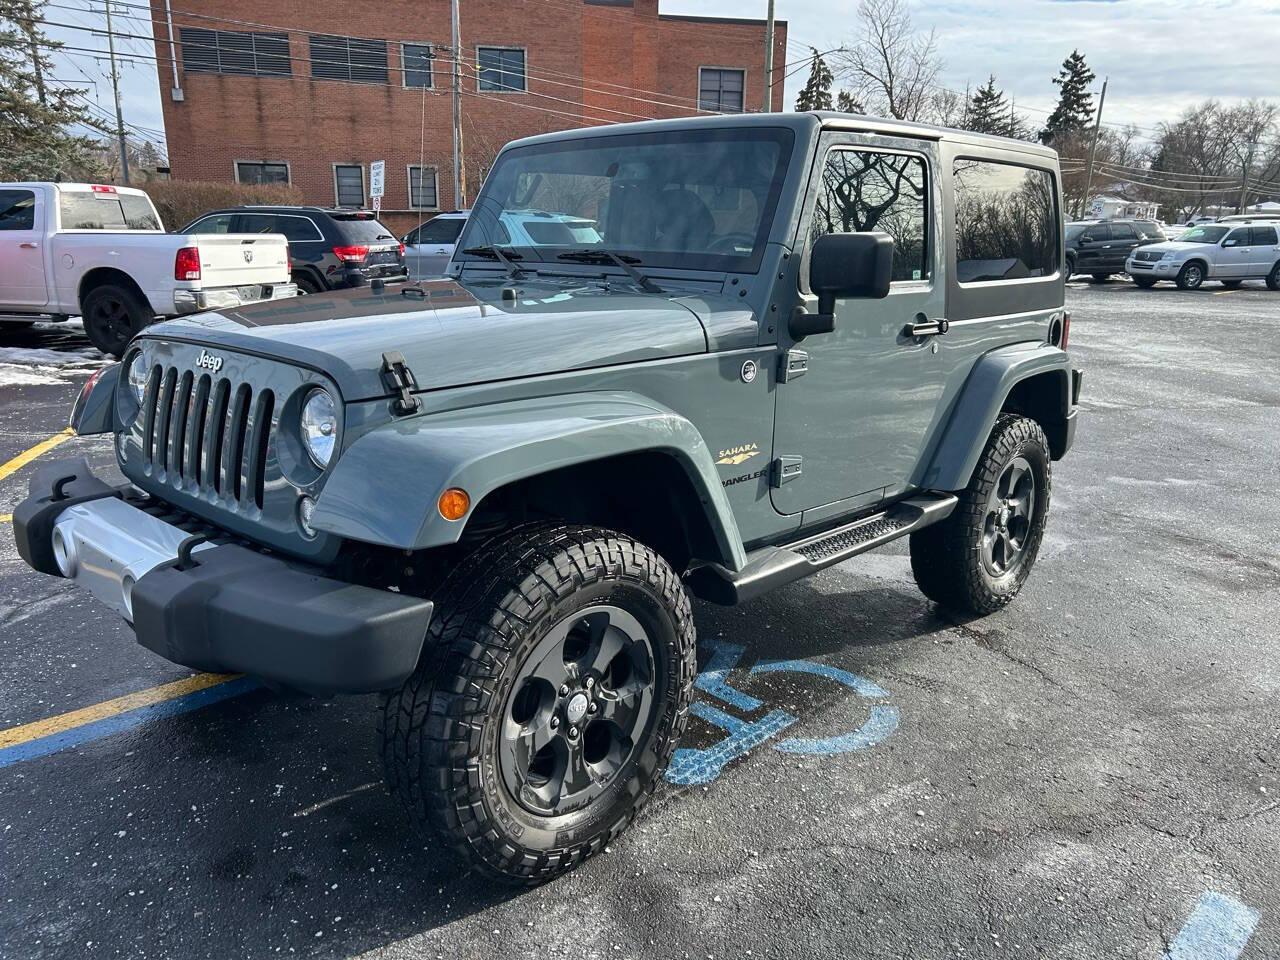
(783, 470)
(399, 379)
(793, 365)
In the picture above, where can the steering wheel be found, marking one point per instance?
(731, 240)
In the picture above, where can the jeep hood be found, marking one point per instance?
(451, 334)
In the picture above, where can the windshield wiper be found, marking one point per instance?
(601, 255)
(513, 272)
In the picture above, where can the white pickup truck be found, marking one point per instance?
(101, 252)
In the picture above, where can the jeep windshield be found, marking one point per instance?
(1203, 235)
(692, 199)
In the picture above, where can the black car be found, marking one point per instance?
(329, 248)
(1101, 247)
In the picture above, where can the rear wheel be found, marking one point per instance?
(1146, 283)
(113, 314)
(1101, 277)
(1071, 266)
(1191, 276)
(977, 559)
(555, 682)
(306, 285)
(1231, 284)
(1273, 278)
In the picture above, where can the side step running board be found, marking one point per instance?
(771, 567)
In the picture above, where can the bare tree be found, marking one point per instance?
(1248, 132)
(890, 68)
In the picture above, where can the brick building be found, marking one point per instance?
(315, 102)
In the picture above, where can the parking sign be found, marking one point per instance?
(377, 176)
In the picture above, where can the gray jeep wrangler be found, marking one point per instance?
(704, 356)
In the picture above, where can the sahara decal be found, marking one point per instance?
(736, 455)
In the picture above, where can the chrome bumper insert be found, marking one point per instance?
(107, 545)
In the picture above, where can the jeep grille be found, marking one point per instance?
(206, 431)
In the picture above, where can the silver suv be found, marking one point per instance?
(1229, 252)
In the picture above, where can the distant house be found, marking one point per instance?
(1107, 207)
(1270, 208)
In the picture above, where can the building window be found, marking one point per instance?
(348, 184)
(262, 172)
(229, 51)
(423, 188)
(416, 60)
(720, 90)
(1006, 222)
(345, 58)
(501, 69)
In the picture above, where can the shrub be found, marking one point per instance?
(181, 201)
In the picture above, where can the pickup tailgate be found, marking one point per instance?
(235, 259)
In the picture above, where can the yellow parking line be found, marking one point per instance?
(44, 446)
(110, 708)
(6, 518)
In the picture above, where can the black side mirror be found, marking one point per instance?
(844, 265)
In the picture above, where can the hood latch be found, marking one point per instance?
(399, 379)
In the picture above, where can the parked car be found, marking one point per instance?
(429, 248)
(1229, 252)
(100, 251)
(488, 498)
(1100, 247)
(331, 248)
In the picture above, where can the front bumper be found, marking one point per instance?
(223, 298)
(1160, 269)
(216, 606)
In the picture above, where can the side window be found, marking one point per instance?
(1262, 236)
(1006, 222)
(17, 210)
(1123, 231)
(864, 191)
(218, 223)
(1237, 238)
(257, 223)
(297, 229)
(1098, 233)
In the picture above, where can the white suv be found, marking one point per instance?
(1229, 252)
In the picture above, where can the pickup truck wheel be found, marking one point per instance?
(977, 559)
(556, 679)
(1190, 277)
(112, 315)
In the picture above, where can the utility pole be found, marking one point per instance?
(1093, 149)
(768, 62)
(459, 175)
(115, 86)
(35, 55)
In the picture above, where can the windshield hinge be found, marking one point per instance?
(793, 365)
(783, 470)
(399, 380)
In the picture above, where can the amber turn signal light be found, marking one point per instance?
(454, 503)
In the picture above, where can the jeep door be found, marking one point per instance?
(857, 422)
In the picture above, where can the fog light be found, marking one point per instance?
(454, 503)
(306, 510)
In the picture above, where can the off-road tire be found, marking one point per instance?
(1144, 283)
(439, 733)
(1189, 279)
(946, 558)
(1273, 278)
(113, 315)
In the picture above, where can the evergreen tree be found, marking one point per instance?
(989, 110)
(816, 94)
(846, 103)
(1075, 102)
(36, 142)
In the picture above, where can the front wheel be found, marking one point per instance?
(113, 314)
(555, 682)
(977, 559)
(1190, 277)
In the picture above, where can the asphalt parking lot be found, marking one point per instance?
(1093, 772)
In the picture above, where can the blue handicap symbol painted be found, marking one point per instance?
(699, 766)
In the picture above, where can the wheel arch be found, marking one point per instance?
(597, 458)
(1033, 380)
(100, 276)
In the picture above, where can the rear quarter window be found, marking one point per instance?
(364, 229)
(1006, 221)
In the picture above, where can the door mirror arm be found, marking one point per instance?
(849, 265)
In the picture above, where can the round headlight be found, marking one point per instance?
(138, 377)
(319, 426)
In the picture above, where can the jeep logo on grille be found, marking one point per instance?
(209, 361)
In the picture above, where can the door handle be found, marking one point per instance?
(926, 328)
(28, 245)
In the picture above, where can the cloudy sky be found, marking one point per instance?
(1160, 57)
